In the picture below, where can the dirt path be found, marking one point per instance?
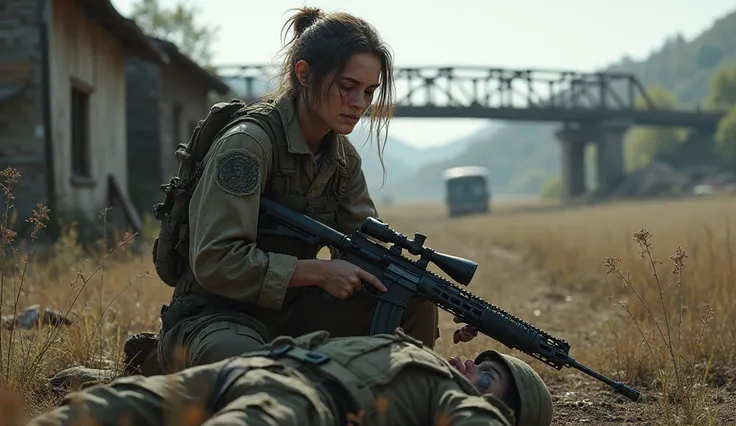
(507, 280)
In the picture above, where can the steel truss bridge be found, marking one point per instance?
(507, 94)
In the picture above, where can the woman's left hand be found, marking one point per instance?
(464, 334)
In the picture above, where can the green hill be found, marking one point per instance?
(521, 157)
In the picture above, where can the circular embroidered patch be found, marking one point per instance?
(238, 172)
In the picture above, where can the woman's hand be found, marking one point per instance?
(341, 278)
(464, 334)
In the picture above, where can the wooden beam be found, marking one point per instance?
(116, 192)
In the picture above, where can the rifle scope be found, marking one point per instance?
(459, 269)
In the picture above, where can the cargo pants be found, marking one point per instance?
(200, 337)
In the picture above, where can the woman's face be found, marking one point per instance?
(351, 94)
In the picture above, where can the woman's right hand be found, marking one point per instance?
(341, 278)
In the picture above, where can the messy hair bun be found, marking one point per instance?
(305, 18)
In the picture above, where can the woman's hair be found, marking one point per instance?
(326, 42)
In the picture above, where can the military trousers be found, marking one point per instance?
(353, 316)
(264, 394)
(197, 331)
(209, 335)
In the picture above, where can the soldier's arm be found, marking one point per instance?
(223, 223)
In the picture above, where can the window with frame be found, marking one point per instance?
(80, 131)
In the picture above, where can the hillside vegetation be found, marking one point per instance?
(523, 156)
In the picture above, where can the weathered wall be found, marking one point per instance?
(178, 88)
(142, 121)
(21, 117)
(153, 93)
(84, 52)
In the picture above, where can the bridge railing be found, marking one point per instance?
(482, 87)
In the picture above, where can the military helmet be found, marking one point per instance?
(535, 408)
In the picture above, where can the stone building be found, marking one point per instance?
(62, 104)
(164, 104)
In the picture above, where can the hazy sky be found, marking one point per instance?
(565, 34)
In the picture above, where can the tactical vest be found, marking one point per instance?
(323, 208)
(279, 187)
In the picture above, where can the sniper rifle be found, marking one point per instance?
(405, 278)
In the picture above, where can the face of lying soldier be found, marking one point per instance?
(513, 382)
(490, 376)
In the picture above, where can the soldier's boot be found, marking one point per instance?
(140, 355)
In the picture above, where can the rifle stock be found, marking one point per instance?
(405, 278)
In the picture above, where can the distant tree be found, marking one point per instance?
(722, 93)
(177, 25)
(645, 144)
(722, 97)
(709, 56)
(726, 137)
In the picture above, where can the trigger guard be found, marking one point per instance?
(368, 288)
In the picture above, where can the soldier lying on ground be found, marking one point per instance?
(317, 380)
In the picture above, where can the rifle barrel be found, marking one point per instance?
(618, 386)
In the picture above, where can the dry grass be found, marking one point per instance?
(594, 254)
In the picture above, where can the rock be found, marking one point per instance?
(78, 377)
(140, 358)
(31, 316)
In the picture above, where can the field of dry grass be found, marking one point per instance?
(578, 273)
(654, 282)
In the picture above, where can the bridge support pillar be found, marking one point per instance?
(610, 155)
(573, 141)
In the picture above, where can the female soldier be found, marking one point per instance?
(244, 287)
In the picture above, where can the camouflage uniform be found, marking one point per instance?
(235, 297)
(310, 380)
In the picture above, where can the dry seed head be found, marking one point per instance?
(706, 316)
(642, 237)
(37, 219)
(8, 236)
(10, 176)
(679, 260)
(611, 263)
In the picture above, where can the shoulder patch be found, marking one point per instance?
(238, 172)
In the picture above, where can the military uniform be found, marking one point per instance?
(387, 379)
(235, 296)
